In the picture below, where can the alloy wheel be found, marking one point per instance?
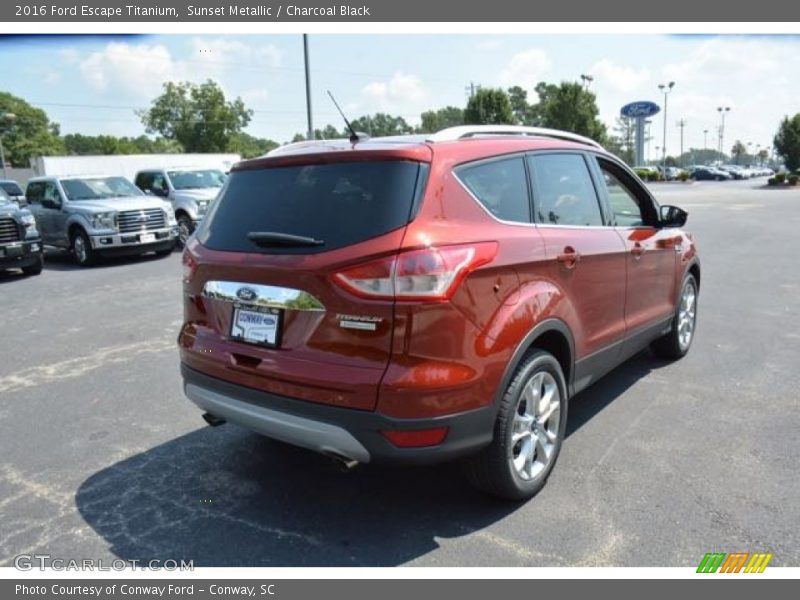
(536, 426)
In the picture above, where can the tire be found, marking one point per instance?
(185, 228)
(82, 248)
(35, 268)
(500, 469)
(676, 343)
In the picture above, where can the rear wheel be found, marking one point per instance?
(35, 268)
(530, 427)
(676, 343)
(82, 248)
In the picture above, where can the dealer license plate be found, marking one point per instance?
(257, 325)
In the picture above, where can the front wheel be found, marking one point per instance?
(528, 432)
(82, 248)
(676, 343)
(35, 268)
(185, 229)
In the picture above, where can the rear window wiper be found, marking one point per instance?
(270, 239)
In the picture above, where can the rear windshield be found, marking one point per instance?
(340, 204)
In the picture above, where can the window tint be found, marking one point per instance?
(564, 193)
(339, 203)
(144, 181)
(624, 205)
(35, 192)
(501, 186)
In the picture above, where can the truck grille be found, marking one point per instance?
(9, 231)
(141, 220)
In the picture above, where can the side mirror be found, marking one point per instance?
(672, 216)
(55, 204)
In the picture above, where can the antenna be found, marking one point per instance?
(354, 137)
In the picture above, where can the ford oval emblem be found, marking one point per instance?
(644, 108)
(246, 293)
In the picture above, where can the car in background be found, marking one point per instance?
(20, 243)
(433, 298)
(100, 215)
(710, 174)
(735, 171)
(13, 190)
(190, 191)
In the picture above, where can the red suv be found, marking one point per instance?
(426, 298)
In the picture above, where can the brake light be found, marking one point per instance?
(416, 438)
(189, 265)
(428, 274)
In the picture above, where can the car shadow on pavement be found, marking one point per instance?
(227, 497)
(62, 260)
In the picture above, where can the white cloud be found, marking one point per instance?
(217, 54)
(490, 44)
(526, 69)
(619, 78)
(403, 92)
(120, 67)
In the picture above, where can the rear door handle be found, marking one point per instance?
(637, 250)
(569, 257)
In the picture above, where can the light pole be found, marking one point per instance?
(310, 134)
(5, 118)
(648, 137)
(722, 110)
(705, 139)
(682, 124)
(587, 80)
(665, 89)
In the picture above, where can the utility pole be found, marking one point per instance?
(682, 124)
(471, 89)
(310, 133)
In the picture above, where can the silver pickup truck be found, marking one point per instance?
(100, 215)
(189, 190)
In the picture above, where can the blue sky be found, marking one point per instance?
(93, 84)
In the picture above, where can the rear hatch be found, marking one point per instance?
(264, 303)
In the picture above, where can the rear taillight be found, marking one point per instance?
(428, 274)
(189, 265)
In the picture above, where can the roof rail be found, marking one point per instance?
(452, 134)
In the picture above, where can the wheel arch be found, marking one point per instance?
(552, 335)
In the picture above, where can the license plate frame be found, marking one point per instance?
(147, 238)
(265, 335)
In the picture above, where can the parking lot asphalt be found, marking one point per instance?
(102, 457)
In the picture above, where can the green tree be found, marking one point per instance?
(30, 133)
(623, 142)
(250, 146)
(787, 142)
(329, 133)
(442, 118)
(489, 106)
(762, 156)
(197, 116)
(523, 112)
(738, 150)
(381, 124)
(569, 107)
(83, 145)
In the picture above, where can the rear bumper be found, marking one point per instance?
(350, 433)
(16, 255)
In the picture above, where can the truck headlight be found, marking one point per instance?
(104, 220)
(170, 215)
(27, 220)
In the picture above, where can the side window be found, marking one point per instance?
(34, 192)
(564, 192)
(51, 191)
(629, 209)
(159, 182)
(144, 181)
(501, 186)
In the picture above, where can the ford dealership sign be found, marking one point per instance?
(643, 108)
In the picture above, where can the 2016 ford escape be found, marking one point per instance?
(428, 298)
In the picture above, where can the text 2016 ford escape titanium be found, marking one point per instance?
(422, 299)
